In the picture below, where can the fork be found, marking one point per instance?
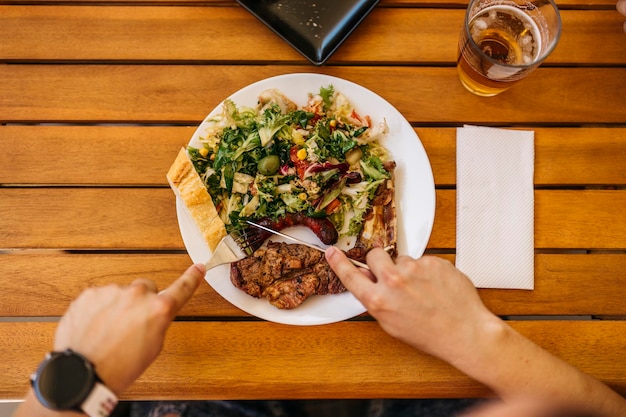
(243, 243)
(232, 248)
(301, 242)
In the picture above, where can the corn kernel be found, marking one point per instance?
(333, 123)
(204, 152)
(303, 196)
(302, 154)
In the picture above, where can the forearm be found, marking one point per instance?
(31, 407)
(519, 370)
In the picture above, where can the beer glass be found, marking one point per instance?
(502, 41)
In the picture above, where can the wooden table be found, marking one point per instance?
(96, 98)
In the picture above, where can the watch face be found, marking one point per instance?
(64, 381)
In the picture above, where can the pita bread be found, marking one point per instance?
(188, 185)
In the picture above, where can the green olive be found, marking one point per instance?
(268, 165)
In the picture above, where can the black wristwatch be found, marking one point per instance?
(67, 381)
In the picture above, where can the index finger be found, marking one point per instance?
(181, 290)
(352, 277)
(379, 261)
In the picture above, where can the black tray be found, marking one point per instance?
(315, 28)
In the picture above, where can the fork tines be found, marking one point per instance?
(249, 239)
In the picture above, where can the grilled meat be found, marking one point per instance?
(285, 274)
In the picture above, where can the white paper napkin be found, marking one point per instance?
(495, 207)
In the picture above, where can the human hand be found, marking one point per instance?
(621, 7)
(121, 329)
(425, 302)
(514, 409)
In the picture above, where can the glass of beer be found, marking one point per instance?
(502, 41)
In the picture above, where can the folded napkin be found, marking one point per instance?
(495, 207)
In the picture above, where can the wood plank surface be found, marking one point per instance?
(186, 93)
(135, 155)
(567, 4)
(209, 33)
(97, 96)
(563, 156)
(563, 4)
(218, 360)
(95, 155)
(43, 284)
(597, 222)
(89, 218)
(145, 219)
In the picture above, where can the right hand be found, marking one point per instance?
(425, 302)
(510, 409)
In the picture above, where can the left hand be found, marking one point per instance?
(121, 329)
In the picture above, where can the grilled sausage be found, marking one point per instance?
(322, 227)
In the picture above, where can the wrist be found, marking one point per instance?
(67, 381)
(482, 342)
(32, 407)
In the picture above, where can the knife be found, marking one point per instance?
(310, 245)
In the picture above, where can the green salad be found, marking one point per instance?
(323, 159)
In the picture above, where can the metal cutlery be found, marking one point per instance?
(301, 242)
(234, 247)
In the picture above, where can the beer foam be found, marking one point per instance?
(530, 25)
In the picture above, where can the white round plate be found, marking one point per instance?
(415, 198)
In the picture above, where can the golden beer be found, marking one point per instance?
(500, 45)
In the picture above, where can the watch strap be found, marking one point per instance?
(100, 402)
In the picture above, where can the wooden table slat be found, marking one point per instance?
(138, 219)
(209, 33)
(186, 93)
(585, 4)
(211, 361)
(565, 284)
(42, 154)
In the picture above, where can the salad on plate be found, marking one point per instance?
(319, 163)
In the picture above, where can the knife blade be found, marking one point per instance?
(302, 242)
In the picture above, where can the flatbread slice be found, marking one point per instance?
(188, 186)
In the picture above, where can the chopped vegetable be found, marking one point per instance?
(323, 159)
(272, 121)
(269, 165)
